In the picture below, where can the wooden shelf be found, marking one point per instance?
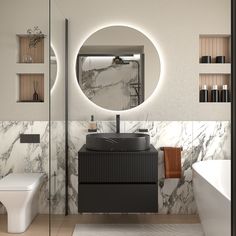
(26, 87)
(28, 54)
(215, 45)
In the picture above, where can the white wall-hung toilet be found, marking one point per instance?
(19, 194)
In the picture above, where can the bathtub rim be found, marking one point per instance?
(228, 197)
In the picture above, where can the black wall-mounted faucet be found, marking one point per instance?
(117, 124)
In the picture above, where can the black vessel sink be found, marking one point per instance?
(118, 142)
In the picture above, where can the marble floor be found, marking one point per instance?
(65, 225)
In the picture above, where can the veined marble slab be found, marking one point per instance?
(200, 141)
(16, 157)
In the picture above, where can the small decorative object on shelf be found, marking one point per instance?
(215, 97)
(35, 36)
(35, 95)
(203, 94)
(206, 59)
(225, 96)
(28, 59)
(220, 59)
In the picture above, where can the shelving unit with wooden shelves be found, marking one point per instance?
(214, 73)
(30, 68)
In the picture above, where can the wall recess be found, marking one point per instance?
(211, 70)
(214, 45)
(29, 86)
(29, 54)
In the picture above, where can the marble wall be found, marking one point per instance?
(16, 157)
(200, 141)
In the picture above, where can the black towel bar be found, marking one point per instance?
(162, 148)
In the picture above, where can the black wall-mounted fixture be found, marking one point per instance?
(29, 138)
(143, 130)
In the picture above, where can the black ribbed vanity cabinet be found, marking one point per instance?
(117, 181)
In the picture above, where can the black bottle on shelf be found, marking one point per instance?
(225, 96)
(206, 59)
(215, 95)
(220, 59)
(203, 94)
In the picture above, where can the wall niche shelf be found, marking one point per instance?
(214, 79)
(213, 73)
(28, 54)
(215, 45)
(26, 85)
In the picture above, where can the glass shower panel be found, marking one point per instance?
(24, 117)
(57, 119)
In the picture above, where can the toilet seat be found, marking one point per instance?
(20, 182)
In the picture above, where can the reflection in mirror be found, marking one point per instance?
(53, 67)
(102, 76)
(114, 68)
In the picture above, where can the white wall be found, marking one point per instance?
(16, 16)
(174, 27)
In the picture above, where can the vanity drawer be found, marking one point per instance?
(118, 198)
(118, 167)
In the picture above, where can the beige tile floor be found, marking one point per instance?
(64, 225)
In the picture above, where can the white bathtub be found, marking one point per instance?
(211, 185)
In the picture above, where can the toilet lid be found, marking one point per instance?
(21, 182)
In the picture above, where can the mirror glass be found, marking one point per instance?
(118, 68)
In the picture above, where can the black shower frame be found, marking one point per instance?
(66, 119)
(233, 118)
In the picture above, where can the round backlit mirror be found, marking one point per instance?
(118, 68)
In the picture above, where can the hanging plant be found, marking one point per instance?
(35, 36)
